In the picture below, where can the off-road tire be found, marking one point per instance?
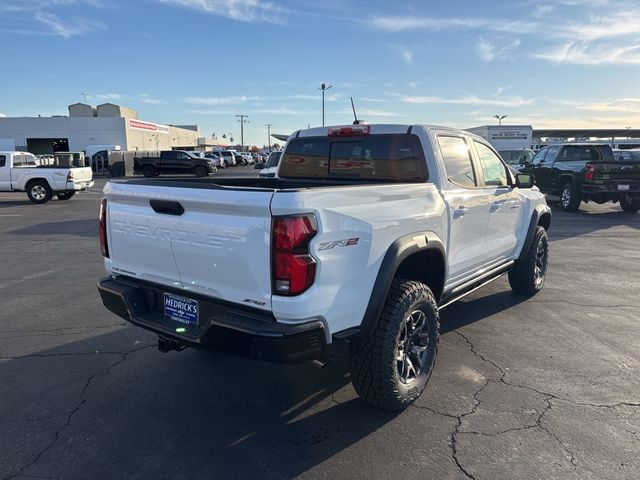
(629, 206)
(373, 359)
(200, 171)
(39, 191)
(148, 171)
(571, 201)
(65, 195)
(523, 277)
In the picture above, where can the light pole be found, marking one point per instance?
(241, 119)
(268, 125)
(500, 117)
(324, 87)
(84, 95)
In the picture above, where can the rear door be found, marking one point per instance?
(5, 172)
(468, 208)
(505, 205)
(212, 240)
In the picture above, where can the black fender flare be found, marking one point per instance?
(397, 252)
(537, 213)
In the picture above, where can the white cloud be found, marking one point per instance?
(144, 98)
(65, 29)
(490, 51)
(501, 90)
(414, 85)
(373, 99)
(401, 23)
(240, 10)
(212, 101)
(105, 96)
(467, 100)
(406, 54)
(597, 27)
(587, 54)
(2, 115)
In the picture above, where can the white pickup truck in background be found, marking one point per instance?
(363, 235)
(19, 172)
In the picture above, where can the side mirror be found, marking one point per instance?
(525, 180)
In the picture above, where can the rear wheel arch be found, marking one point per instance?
(419, 257)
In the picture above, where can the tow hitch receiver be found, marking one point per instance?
(167, 344)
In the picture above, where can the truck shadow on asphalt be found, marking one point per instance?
(131, 411)
(80, 228)
(469, 310)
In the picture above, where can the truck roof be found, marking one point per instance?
(375, 129)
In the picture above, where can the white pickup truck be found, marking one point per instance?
(19, 172)
(365, 233)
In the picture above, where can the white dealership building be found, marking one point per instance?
(106, 124)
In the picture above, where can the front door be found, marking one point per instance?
(505, 205)
(468, 210)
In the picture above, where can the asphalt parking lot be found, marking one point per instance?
(547, 387)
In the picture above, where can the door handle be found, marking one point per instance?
(460, 212)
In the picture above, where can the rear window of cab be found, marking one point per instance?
(390, 158)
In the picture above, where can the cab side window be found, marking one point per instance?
(457, 161)
(538, 158)
(3, 160)
(493, 170)
(18, 160)
(551, 154)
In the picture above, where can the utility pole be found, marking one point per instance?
(84, 95)
(241, 119)
(324, 87)
(500, 118)
(269, 135)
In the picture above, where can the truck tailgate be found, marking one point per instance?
(629, 170)
(82, 174)
(218, 246)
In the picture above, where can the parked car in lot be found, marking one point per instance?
(368, 231)
(583, 172)
(517, 158)
(19, 172)
(270, 168)
(228, 159)
(245, 158)
(215, 158)
(174, 161)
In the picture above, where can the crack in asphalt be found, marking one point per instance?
(75, 410)
(549, 398)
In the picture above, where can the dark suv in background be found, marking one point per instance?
(578, 172)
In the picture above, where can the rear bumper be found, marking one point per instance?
(79, 185)
(612, 187)
(239, 329)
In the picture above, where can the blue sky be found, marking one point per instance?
(560, 63)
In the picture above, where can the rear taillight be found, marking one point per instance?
(293, 268)
(354, 131)
(70, 177)
(590, 174)
(102, 220)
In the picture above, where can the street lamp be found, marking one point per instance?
(84, 95)
(500, 117)
(268, 125)
(324, 87)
